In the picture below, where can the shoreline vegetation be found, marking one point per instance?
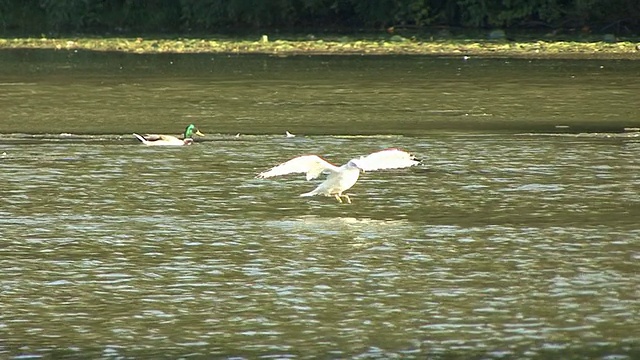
(340, 45)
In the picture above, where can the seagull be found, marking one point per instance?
(341, 178)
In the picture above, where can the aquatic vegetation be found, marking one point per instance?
(335, 45)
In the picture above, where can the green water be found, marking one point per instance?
(517, 238)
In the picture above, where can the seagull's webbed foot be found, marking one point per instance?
(348, 198)
(338, 198)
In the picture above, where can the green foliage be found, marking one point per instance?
(386, 13)
(165, 16)
(217, 14)
(72, 15)
(479, 13)
(517, 10)
(148, 15)
(474, 13)
(4, 6)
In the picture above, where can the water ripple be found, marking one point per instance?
(499, 246)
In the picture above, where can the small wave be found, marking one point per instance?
(17, 84)
(624, 135)
(60, 137)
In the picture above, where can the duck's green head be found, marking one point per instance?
(190, 130)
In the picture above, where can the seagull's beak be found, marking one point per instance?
(199, 133)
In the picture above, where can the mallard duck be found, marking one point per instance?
(341, 178)
(168, 140)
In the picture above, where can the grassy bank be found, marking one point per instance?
(338, 46)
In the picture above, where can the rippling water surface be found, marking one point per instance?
(503, 244)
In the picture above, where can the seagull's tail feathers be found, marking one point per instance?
(310, 193)
(140, 137)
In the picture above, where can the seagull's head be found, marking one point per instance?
(353, 164)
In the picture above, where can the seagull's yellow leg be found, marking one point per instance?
(348, 198)
(338, 198)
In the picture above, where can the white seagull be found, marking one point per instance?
(341, 178)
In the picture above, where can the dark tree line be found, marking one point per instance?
(201, 16)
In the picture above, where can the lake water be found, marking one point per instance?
(517, 237)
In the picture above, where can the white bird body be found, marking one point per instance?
(344, 177)
(337, 182)
(163, 140)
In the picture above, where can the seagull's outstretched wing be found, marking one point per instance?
(311, 164)
(386, 159)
